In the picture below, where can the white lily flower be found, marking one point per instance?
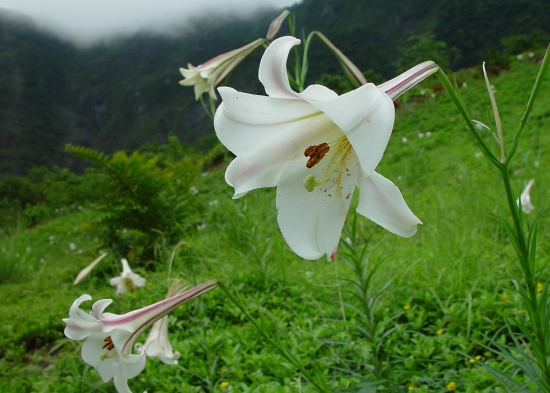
(315, 147)
(525, 197)
(127, 281)
(206, 77)
(110, 337)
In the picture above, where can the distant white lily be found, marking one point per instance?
(525, 197)
(315, 147)
(207, 76)
(110, 337)
(127, 281)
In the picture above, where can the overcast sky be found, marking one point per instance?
(88, 21)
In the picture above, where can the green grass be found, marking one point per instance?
(450, 283)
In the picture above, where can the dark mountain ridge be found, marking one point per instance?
(126, 93)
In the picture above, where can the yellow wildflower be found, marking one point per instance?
(451, 387)
(411, 386)
(224, 384)
(540, 287)
(440, 332)
(408, 307)
(478, 357)
(505, 298)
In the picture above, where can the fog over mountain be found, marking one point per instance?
(87, 22)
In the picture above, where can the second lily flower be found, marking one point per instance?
(315, 147)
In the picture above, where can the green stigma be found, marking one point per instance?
(309, 182)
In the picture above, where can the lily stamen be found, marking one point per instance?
(316, 153)
(108, 343)
(338, 147)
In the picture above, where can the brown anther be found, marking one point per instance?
(316, 153)
(108, 343)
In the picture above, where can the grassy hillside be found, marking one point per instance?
(449, 285)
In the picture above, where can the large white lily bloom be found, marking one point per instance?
(315, 147)
(525, 197)
(127, 281)
(110, 337)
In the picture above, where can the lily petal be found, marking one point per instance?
(272, 73)
(245, 175)
(311, 222)
(366, 116)
(381, 201)
(121, 384)
(274, 76)
(92, 353)
(80, 322)
(269, 130)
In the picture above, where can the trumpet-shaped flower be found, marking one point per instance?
(315, 147)
(158, 343)
(525, 198)
(206, 77)
(127, 281)
(110, 337)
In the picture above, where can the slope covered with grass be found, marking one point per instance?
(448, 287)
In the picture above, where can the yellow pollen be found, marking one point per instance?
(129, 284)
(339, 148)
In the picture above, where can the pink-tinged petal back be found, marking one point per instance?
(273, 72)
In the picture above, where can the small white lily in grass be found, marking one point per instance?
(525, 198)
(110, 337)
(127, 281)
(207, 76)
(158, 343)
(315, 147)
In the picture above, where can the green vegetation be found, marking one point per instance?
(420, 318)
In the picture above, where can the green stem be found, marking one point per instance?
(462, 109)
(514, 211)
(317, 382)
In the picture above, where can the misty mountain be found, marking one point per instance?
(125, 93)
